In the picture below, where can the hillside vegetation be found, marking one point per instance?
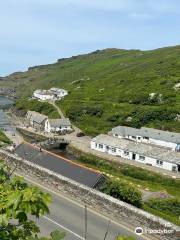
(112, 87)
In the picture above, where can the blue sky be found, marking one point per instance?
(36, 32)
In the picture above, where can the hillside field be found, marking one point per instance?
(112, 87)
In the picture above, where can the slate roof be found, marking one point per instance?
(36, 117)
(139, 148)
(148, 132)
(59, 122)
(59, 165)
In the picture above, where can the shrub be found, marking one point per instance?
(170, 206)
(123, 191)
(146, 175)
(124, 238)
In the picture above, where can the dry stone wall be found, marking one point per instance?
(112, 208)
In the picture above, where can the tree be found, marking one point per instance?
(124, 238)
(17, 202)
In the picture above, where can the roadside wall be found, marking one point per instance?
(113, 208)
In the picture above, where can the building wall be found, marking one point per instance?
(150, 140)
(61, 128)
(129, 155)
(43, 97)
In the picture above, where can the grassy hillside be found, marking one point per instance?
(112, 87)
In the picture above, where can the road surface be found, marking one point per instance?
(68, 216)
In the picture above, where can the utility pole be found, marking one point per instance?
(85, 235)
(105, 236)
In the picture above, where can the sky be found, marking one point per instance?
(34, 32)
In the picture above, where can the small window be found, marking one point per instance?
(141, 158)
(139, 138)
(126, 153)
(100, 146)
(96, 145)
(147, 138)
(116, 135)
(159, 162)
(113, 150)
(134, 137)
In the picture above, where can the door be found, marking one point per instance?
(133, 156)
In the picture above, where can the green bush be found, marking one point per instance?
(145, 175)
(37, 106)
(124, 238)
(123, 191)
(170, 206)
(168, 209)
(4, 138)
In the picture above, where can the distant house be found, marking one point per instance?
(60, 125)
(42, 123)
(38, 121)
(51, 94)
(58, 92)
(43, 95)
(140, 152)
(149, 136)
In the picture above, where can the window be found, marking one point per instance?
(139, 138)
(159, 162)
(100, 146)
(96, 145)
(126, 153)
(147, 138)
(134, 137)
(141, 158)
(116, 135)
(113, 150)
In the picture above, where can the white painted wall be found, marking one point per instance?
(60, 128)
(121, 153)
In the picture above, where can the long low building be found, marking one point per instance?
(60, 165)
(140, 152)
(148, 135)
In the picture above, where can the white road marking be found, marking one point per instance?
(65, 228)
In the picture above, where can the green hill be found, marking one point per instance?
(112, 87)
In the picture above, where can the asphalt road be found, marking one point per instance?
(68, 216)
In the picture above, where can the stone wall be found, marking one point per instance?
(113, 208)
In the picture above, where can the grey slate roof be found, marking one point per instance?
(148, 132)
(139, 148)
(59, 122)
(59, 165)
(36, 117)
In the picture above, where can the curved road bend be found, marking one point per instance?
(68, 216)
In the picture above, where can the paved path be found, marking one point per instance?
(57, 108)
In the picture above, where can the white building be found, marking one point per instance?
(60, 125)
(42, 123)
(43, 95)
(148, 135)
(51, 94)
(140, 152)
(58, 92)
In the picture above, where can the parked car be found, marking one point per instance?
(80, 134)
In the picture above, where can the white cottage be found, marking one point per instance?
(51, 94)
(43, 95)
(149, 136)
(60, 125)
(140, 152)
